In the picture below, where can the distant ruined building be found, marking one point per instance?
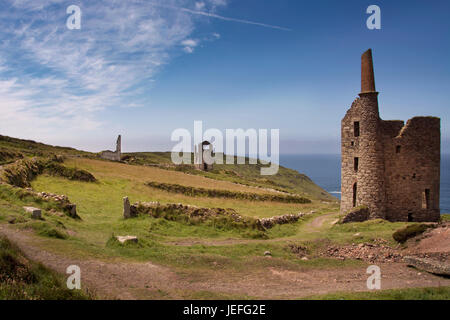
(387, 166)
(203, 156)
(113, 155)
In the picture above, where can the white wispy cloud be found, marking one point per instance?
(189, 45)
(211, 14)
(58, 81)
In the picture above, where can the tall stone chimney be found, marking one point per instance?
(119, 145)
(370, 177)
(367, 75)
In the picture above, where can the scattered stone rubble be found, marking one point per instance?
(52, 196)
(370, 252)
(299, 250)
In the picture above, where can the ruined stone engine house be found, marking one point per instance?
(113, 155)
(390, 167)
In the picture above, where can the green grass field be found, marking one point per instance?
(100, 207)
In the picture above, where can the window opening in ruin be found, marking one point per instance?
(356, 163)
(410, 217)
(426, 199)
(414, 176)
(356, 128)
(352, 143)
(398, 149)
(355, 190)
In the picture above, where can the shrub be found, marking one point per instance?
(411, 231)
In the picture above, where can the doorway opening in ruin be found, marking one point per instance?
(426, 199)
(410, 217)
(356, 128)
(398, 149)
(355, 190)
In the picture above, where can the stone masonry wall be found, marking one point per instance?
(113, 155)
(412, 161)
(368, 148)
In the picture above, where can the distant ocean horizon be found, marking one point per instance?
(325, 171)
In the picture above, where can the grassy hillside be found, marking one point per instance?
(12, 149)
(286, 180)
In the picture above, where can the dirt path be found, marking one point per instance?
(136, 280)
(317, 223)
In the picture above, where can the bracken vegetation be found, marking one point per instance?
(22, 172)
(8, 156)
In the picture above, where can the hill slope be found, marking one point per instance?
(286, 180)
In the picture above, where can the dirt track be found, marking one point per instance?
(133, 280)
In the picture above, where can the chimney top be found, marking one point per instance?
(367, 74)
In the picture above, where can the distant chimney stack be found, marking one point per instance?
(367, 75)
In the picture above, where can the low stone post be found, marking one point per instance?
(126, 208)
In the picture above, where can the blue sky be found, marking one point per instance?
(146, 68)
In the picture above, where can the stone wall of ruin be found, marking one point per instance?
(110, 155)
(113, 155)
(367, 179)
(412, 161)
(349, 150)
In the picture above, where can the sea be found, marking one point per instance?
(325, 170)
